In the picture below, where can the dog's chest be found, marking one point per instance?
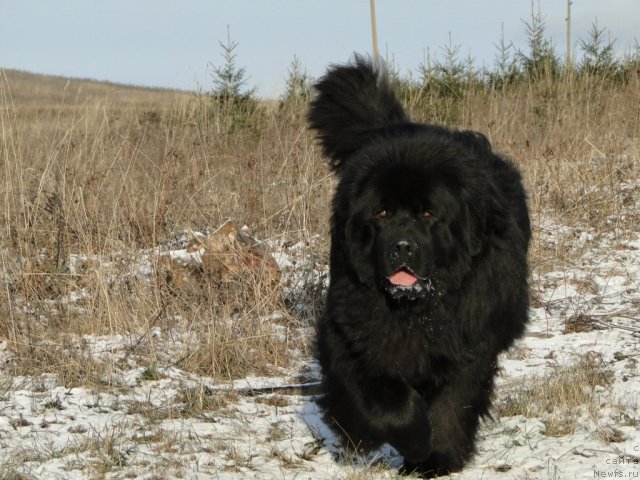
(405, 350)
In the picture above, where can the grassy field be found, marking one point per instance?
(104, 171)
(97, 180)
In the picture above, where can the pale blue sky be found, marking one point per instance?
(169, 43)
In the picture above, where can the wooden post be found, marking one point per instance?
(374, 32)
(568, 59)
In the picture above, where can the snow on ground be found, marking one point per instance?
(173, 424)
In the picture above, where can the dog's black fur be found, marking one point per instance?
(413, 365)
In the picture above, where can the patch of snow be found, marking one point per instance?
(142, 426)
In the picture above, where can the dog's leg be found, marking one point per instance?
(455, 414)
(371, 411)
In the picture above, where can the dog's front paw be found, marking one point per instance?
(435, 465)
(413, 441)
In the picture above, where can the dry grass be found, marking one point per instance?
(103, 171)
(561, 397)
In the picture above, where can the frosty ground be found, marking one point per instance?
(584, 335)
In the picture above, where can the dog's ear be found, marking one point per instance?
(352, 102)
(475, 140)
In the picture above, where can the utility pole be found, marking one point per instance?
(568, 60)
(374, 32)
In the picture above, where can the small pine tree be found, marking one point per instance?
(446, 77)
(298, 86)
(506, 65)
(541, 60)
(234, 106)
(427, 69)
(631, 61)
(451, 70)
(229, 81)
(598, 54)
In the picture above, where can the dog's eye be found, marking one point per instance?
(382, 213)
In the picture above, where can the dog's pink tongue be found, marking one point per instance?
(402, 278)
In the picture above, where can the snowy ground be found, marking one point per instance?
(175, 425)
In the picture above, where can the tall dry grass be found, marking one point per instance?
(95, 174)
(106, 173)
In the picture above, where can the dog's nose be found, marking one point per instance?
(403, 250)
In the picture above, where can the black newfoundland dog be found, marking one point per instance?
(430, 231)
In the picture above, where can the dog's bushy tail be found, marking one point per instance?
(352, 102)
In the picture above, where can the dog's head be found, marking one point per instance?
(409, 212)
(406, 214)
